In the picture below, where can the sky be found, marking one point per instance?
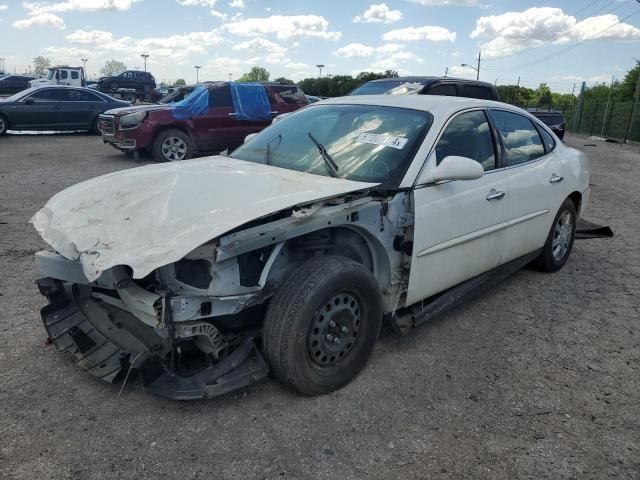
(559, 42)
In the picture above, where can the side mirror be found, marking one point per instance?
(249, 137)
(453, 168)
(29, 101)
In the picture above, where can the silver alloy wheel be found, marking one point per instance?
(3, 125)
(174, 149)
(562, 234)
(98, 127)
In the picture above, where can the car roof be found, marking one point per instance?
(438, 105)
(428, 79)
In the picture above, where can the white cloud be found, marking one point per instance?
(389, 48)
(37, 8)
(259, 45)
(66, 55)
(218, 14)
(409, 34)
(445, 3)
(41, 19)
(90, 37)
(197, 3)
(462, 72)
(379, 13)
(511, 32)
(3, 7)
(236, 3)
(354, 50)
(284, 27)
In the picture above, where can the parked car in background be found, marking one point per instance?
(71, 76)
(55, 107)
(142, 82)
(553, 119)
(11, 84)
(315, 98)
(453, 87)
(316, 228)
(157, 129)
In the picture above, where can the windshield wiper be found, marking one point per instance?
(267, 154)
(332, 167)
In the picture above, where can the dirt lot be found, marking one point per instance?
(537, 379)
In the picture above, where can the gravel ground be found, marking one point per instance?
(536, 379)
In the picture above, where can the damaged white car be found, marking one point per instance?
(205, 275)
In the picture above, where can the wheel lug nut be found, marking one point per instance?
(337, 340)
(332, 323)
(330, 337)
(344, 330)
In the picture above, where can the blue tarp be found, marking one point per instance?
(194, 105)
(250, 101)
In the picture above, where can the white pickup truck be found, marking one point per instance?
(73, 76)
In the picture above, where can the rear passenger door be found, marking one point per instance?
(216, 130)
(535, 182)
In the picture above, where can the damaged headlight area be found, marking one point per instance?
(132, 120)
(186, 338)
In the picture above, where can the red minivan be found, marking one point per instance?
(170, 137)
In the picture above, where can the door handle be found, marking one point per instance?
(495, 195)
(555, 178)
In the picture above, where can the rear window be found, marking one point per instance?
(377, 88)
(444, 89)
(220, 96)
(74, 75)
(550, 119)
(290, 94)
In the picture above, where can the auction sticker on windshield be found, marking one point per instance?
(386, 140)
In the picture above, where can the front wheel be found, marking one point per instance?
(97, 129)
(172, 146)
(114, 86)
(560, 239)
(322, 324)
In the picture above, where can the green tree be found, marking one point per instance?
(256, 74)
(180, 82)
(40, 65)
(284, 80)
(113, 67)
(628, 84)
(544, 95)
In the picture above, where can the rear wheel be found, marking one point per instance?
(4, 125)
(559, 243)
(97, 129)
(322, 324)
(114, 86)
(172, 146)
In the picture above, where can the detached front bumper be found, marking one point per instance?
(107, 341)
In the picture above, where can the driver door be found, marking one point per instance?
(459, 225)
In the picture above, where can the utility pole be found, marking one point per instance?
(197, 67)
(320, 67)
(636, 96)
(145, 56)
(230, 75)
(606, 109)
(446, 72)
(478, 69)
(515, 93)
(578, 117)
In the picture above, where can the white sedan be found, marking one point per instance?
(288, 254)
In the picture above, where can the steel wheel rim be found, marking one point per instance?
(2, 125)
(562, 233)
(174, 148)
(98, 127)
(334, 330)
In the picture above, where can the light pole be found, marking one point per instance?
(84, 63)
(320, 67)
(145, 56)
(230, 75)
(476, 69)
(197, 67)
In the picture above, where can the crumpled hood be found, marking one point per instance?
(138, 108)
(152, 216)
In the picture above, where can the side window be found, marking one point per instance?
(521, 140)
(475, 91)
(63, 75)
(220, 96)
(443, 89)
(46, 95)
(290, 94)
(548, 140)
(74, 75)
(83, 96)
(468, 135)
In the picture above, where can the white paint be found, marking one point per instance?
(154, 215)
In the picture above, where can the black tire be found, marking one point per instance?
(548, 261)
(159, 151)
(114, 86)
(325, 285)
(4, 125)
(96, 126)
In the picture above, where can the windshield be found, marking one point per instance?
(177, 95)
(51, 74)
(377, 88)
(364, 143)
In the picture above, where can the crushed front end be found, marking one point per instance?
(115, 325)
